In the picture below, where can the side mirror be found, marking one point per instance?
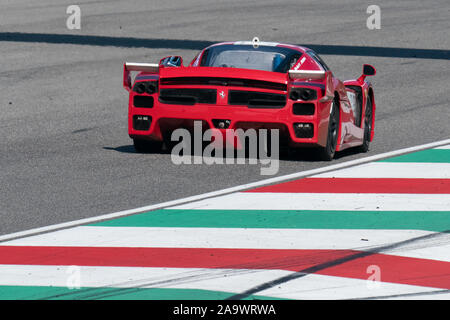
(171, 61)
(368, 70)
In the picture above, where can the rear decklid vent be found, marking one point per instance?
(254, 99)
(186, 96)
(226, 82)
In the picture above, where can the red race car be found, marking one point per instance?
(244, 85)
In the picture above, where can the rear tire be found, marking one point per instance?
(327, 153)
(146, 146)
(367, 126)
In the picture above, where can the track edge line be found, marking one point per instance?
(301, 174)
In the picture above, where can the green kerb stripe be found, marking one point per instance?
(413, 220)
(431, 155)
(63, 293)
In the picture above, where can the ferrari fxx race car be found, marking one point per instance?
(240, 85)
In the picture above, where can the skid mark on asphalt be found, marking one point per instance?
(130, 42)
(407, 295)
(134, 286)
(333, 263)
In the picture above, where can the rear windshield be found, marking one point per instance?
(266, 58)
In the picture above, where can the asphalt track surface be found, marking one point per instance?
(64, 149)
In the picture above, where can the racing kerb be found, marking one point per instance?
(374, 230)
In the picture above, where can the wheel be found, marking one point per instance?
(146, 146)
(367, 126)
(327, 153)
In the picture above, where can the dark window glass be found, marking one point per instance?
(267, 58)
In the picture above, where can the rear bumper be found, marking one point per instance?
(164, 118)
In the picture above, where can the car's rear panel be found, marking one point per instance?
(238, 98)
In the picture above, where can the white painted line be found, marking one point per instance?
(412, 170)
(223, 191)
(313, 286)
(323, 201)
(427, 295)
(444, 147)
(144, 277)
(322, 287)
(241, 238)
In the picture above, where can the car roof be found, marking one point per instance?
(261, 44)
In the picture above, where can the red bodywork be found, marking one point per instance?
(164, 117)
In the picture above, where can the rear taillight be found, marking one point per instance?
(152, 87)
(149, 87)
(304, 94)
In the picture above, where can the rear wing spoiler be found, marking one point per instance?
(307, 74)
(135, 66)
